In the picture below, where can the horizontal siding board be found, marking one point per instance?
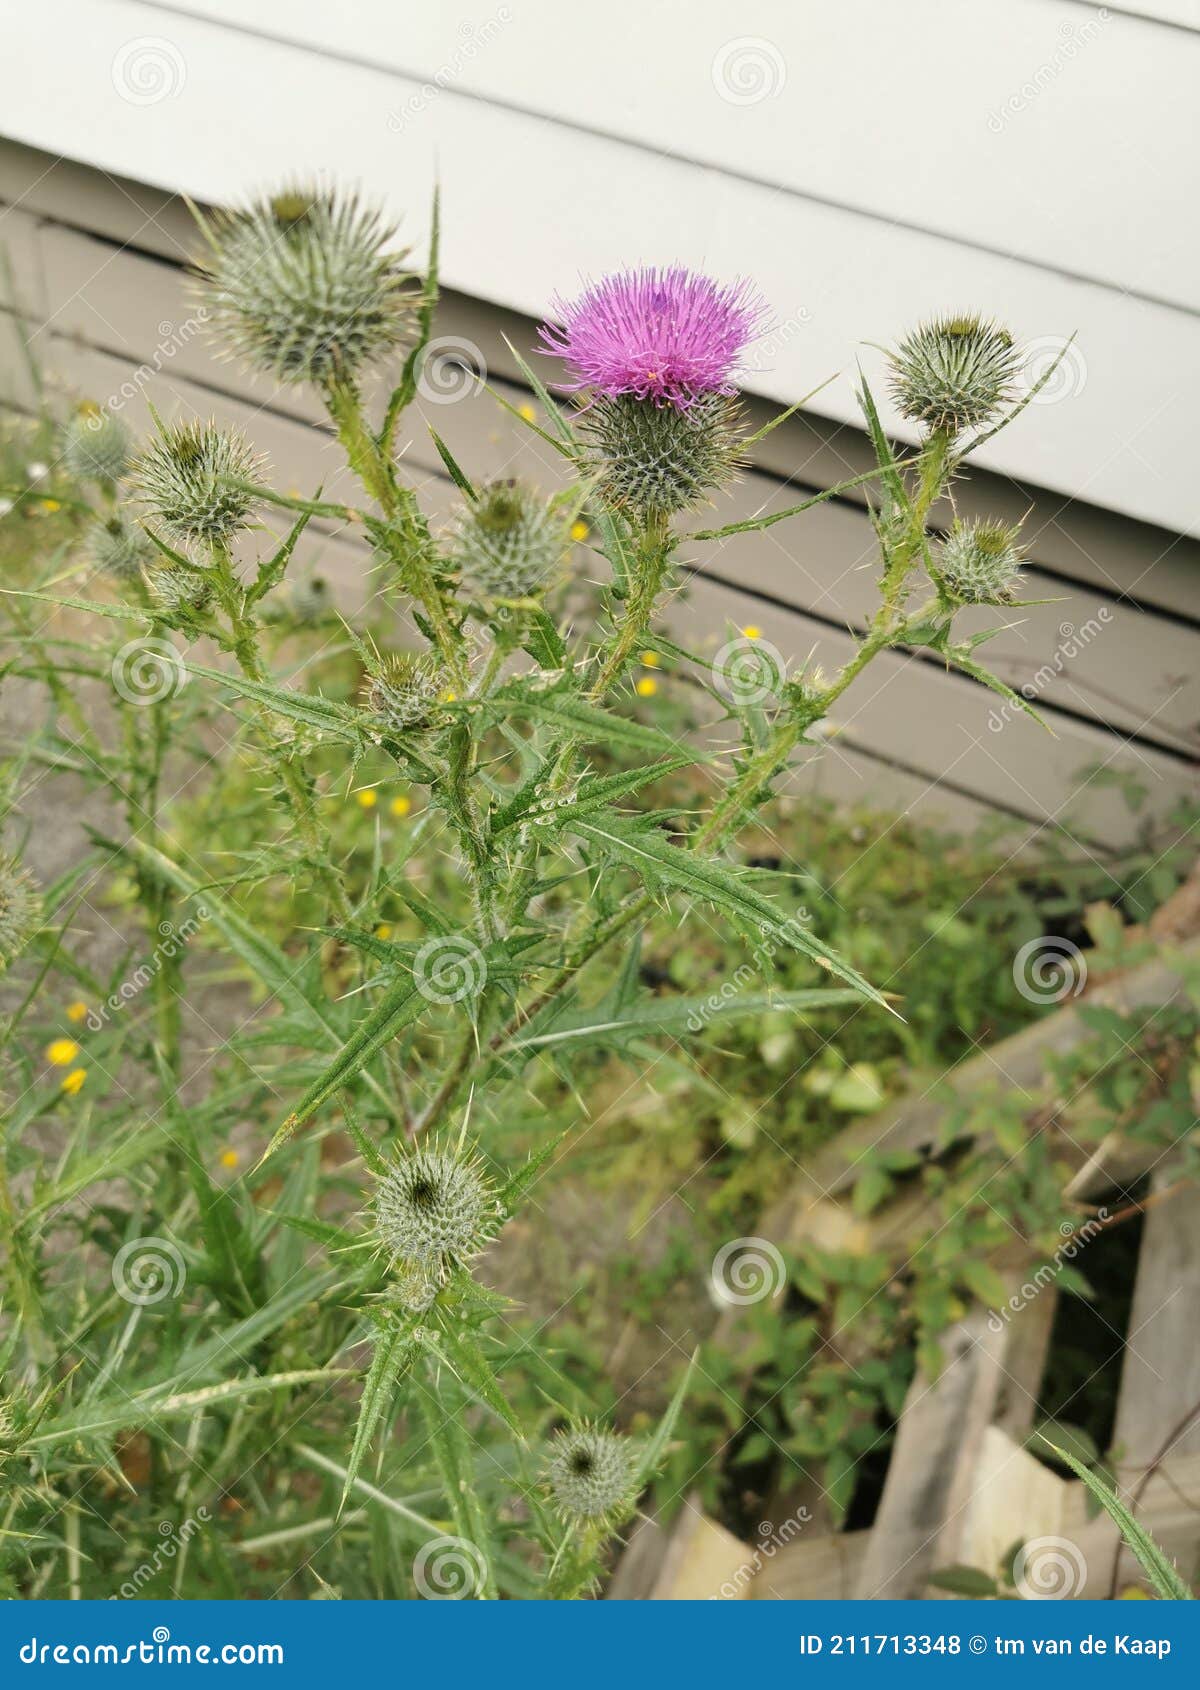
(910, 735)
(930, 724)
(1125, 557)
(526, 215)
(986, 102)
(823, 562)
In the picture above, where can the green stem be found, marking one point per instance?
(297, 789)
(405, 534)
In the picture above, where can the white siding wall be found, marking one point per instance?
(865, 161)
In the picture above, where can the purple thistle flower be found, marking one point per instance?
(664, 335)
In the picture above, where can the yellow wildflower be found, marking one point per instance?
(647, 687)
(76, 1011)
(400, 806)
(62, 1052)
(72, 1083)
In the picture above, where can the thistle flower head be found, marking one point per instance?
(194, 479)
(117, 548)
(20, 910)
(301, 285)
(660, 459)
(980, 562)
(176, 589)
(405, 689)
(434, 1210)
(95, 445)
(508, 544)
(954, 373)
(309, 600)
(666, 335)
(591, 1473)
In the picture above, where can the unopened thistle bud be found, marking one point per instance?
(95, 445)
(309, 601)
(197, 480)
(980, 562)
(954, 373)
(509, 544)
(20, 910)
(655, 459)
(592, 1473)
(176, 589)
(658, 350)
(301, 285)
(405, 690)
(434, 1211)
(117, 548)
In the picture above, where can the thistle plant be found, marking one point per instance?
(196, 480)
(358, 1267)
(96, 446)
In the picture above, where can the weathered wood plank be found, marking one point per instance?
(1160, 1378)
(935, 1460)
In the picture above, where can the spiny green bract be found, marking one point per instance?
(434, 1210)
(20, 910)
(300, 284)
(980, 562)
(591, 1473)
(179, 589)
(654, 460)
(953, 373)
(95, 445)
(193, 478)
(405, 689)
(509, 544)
(117, 548)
